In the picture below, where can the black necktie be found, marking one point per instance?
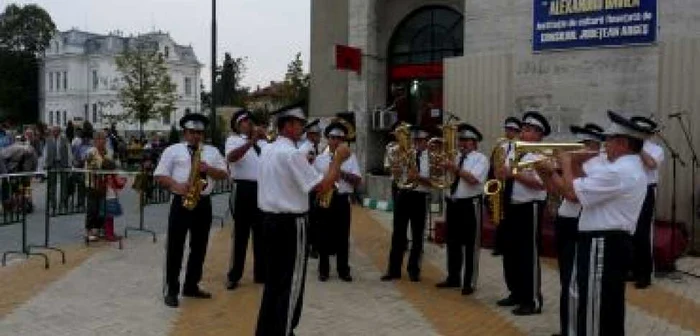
(315, 149)
(455, 183)
(418, 154)
(256, 148)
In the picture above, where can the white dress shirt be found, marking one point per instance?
(176, 162)
(523, 194)
(248, 166)
(612, 195)
(423, 171)
(476, 164)
(285, 178)
(573, 209)
(657, 153)
(350, 166)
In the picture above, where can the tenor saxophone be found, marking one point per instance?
(494, 188)
(196, 184)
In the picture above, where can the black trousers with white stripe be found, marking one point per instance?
(521, 260)
(286, 255)
(410, 207)
(334, 235)
(643, 263)
(181, 221)
(247, 218)
(463, 219)
(597, 290)
(566, 231)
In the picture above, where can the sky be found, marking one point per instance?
(268, 32)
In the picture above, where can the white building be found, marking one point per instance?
(79, 78)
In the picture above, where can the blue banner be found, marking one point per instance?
(565, 24)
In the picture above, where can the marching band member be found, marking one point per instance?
(410, 206)
(521, 263)
(243, 154)
(463, 213)
(643, 243)
(566, 224)
(173, 173)
(611, 198)
(334, 224)
(311, 145)
(511, 128)
(285, 180)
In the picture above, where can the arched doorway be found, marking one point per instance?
(417, 49)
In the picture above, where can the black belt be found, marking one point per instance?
(604, 233)
(652, 185)
(283, 216)
(176, 196)
(245, 181)
(477, 197)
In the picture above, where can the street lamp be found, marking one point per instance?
(212, 112)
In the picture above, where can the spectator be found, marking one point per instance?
(114, 183)
(5, 139)
(96, 157)
(70, 131)
(58, 156)
(20, 158)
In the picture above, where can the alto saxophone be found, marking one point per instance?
(324, 199)
(195, 182)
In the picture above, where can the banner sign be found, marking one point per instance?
(565, 24)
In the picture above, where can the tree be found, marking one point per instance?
(229, 91)
(296, 82)
(174, 136)
(25, 32)
(148, 91)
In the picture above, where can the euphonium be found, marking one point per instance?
(494, 188)
(195, 182)
(440, 150)
(402, 157)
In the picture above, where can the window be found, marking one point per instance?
(94, 113)
(188, 86)
(166, 53)
(58, 81)
(95, 81)
(65, 81)
(166, 119)
(50, 81)
(51, 118)
(188, 111)
(65, 118)
(85, 112)
(58, 118)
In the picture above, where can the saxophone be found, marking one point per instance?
(195, 182)
(494, 188)
(324, 199)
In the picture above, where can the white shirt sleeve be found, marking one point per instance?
(233, 143)
(215, 159)
(598, 188)
(351, 166)
(481, 169)
(303, 173)
(656, 152)
(165, 164)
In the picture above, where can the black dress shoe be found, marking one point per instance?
(414, 277)
(196, 293)
(557, 334)
(507, 302)
(323, 277)
(313, 254)
(389, 277)
(496, 253)
(171, 301)
(448, 284)
(642, 284)
(467, 291)
(345, 277)
(231, 285)
(526, 310)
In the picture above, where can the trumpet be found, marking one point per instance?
(546, 149)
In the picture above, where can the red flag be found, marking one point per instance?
(348, 58)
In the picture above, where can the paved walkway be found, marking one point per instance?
(105, 291)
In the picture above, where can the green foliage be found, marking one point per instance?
(229, 91)
(148, 91)
(27, 29)
(296, 82)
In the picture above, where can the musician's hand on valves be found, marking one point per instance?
(504, 173)
(179, 188)
(450, 165)
(203, 167)
(342, 153)
(544, 167)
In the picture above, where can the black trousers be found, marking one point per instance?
(247, 218)
(597, 301)
(643, 256)
(501, 235)
(521, 262)
(463, 217)
(287, 256)
(410, 207)
(313, 226)
(180, 222)
(566, 231)
(334, 234)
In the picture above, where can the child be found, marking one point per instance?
(114, 183)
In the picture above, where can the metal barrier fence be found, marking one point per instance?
(72, 192)
(16, 195)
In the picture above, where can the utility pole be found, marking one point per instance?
(212, 113)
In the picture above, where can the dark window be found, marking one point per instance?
(65, 81)
(65, 118)
(166, 119)
(50, 81)
(94, 113)
(85, 112)
(50, 117)
(58, 81)
(95, 80)
(427, 36)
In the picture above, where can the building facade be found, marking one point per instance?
(79, 78)
(483, 60)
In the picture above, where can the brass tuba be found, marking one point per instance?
(195, 182)
(493, 189)
(401, 157)
(324, 199)
(439, 151)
